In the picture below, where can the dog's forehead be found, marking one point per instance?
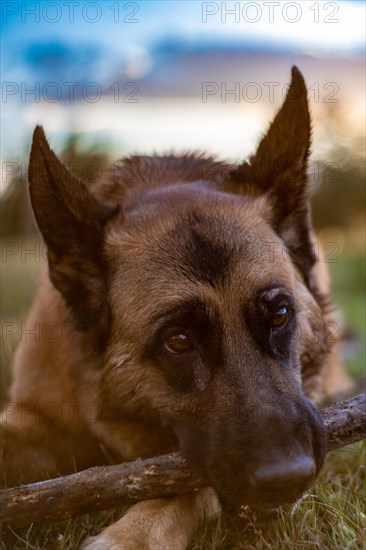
(198, 239)
(209, 242)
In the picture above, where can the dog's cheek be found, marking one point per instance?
(312, 344)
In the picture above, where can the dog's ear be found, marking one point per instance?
(72, 223)
(279, 170)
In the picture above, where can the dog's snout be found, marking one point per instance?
(284, 480)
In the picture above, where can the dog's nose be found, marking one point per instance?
(284, 480)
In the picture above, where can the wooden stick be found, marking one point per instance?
(345, 421)
(106, 487)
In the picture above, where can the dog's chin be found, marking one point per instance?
(257, 512)
(247, 515)
(261, 514)
(246, 502)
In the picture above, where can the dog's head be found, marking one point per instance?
(203, 302)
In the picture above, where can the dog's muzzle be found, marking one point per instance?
(260, 466)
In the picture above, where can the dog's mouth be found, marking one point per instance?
(263, 514)
(256, 515)
(259, 513)
(264, 502)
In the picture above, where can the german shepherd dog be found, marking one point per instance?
(191, 313)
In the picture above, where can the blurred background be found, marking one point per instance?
(111, 78)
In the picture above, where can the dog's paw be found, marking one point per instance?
(158, 524)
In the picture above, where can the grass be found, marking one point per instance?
(333, 516)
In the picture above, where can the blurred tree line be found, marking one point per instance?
(338, 183)
(339, 190)
(16, 217)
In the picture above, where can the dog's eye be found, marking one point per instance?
(178, 343)
(279, 318)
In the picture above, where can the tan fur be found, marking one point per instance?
(72, 405)
(52, 373)
(161, 524)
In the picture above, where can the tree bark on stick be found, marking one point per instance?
(106, 487)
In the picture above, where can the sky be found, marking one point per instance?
(119, 31)
(48, 45)
(304, 24)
